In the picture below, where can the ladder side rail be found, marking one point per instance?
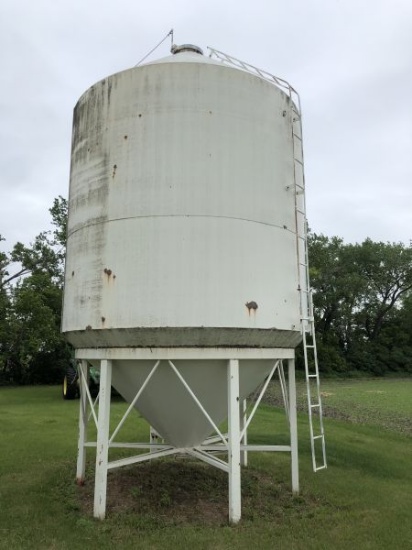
(309, 399)
(319, 395)
(306, 298)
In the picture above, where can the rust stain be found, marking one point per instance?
(114, 170)
(89, 327)
(251, 306)
(103, 319)
(110, 274)
(125, 137)
(72, 273)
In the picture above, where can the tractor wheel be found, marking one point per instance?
(70, 387)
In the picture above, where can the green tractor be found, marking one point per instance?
(71, 388)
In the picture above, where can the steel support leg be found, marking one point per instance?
(154, 438)
(102, 449)
(234, 441)
(293, 426)
(83, 421)
(243, 420)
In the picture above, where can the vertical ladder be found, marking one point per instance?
(317, 433)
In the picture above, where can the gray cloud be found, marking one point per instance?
(350, 61)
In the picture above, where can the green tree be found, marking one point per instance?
(360, 292)
(31, 283)
(386, 270)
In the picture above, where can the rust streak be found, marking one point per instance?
(251, 306)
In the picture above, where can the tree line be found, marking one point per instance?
(32, 350)
(363, 305)
(362, 295)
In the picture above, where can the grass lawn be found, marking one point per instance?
(363, 500)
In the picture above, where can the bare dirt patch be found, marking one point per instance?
(179, 491)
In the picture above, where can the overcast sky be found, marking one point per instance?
(350, 60)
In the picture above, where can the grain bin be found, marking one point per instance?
(183, 259)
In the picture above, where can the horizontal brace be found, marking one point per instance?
(184, 353)
(266, 448)
(158, 446)
(141, 458)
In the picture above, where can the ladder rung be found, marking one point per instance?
(296, 136)
(300, 211)
(298, 161)
(315, 406)
(317, 437)
(312, 375)
(320, 468)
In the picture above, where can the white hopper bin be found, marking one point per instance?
(183, 278)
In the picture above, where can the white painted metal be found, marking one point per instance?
(256, 405)
(243, 429)
(166, 404)
(209, 459)
(169, 407)
(186, 353)
(316, 427)
(181, 178)
(314, 396)
(133, 403)
(283, 388)
(83, 423)
(293, 423)
(234, 441)
(183, 278)
(102, 449)
(279, 82)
